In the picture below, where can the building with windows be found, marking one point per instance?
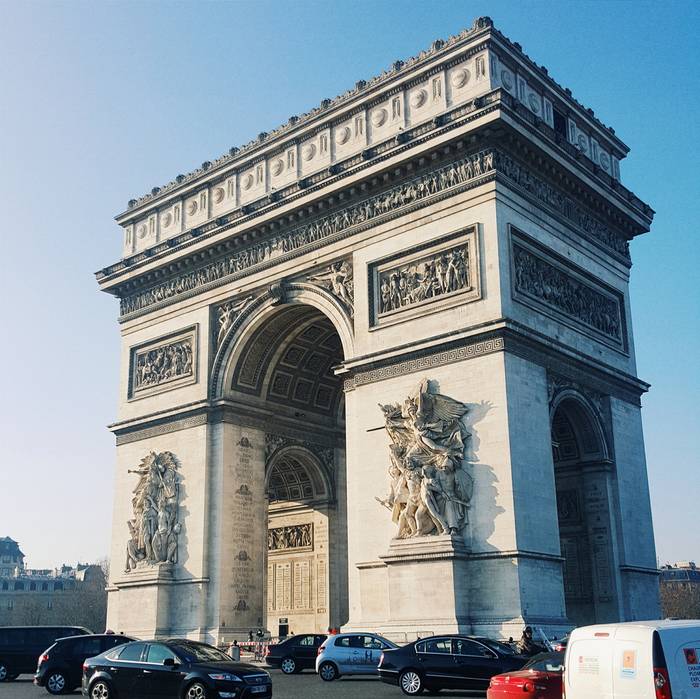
(680, 590)
(65, 595)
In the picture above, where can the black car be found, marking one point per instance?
(447, 662)
(296, 653)
(177, 668)
(60, 667)
(20, 646)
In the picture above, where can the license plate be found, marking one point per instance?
(260, 689)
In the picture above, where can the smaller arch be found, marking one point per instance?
(576, 423)
(295, 474)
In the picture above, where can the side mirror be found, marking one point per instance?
(169, 662)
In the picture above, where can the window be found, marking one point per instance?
(44, 586)
(87, 647)
(435, 645)
(559, 123)
(307, 641)
(58, 586)
(10, 604)
(344, 641)
(49, 604)
(5, 586)
(111, 641)
(464, 646)
(132, 651)
(193, 652)
(157, 653)
(32, 586)
(19, 585)
(371, 642)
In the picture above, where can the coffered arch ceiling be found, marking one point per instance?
(576, 434)
(290, 361)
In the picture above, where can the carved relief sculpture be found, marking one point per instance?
(161, 364)
(154, 527)
(226, 315)
(291, 537)
(546, 282)
(425, 278)
(430, 489)
(338, 280)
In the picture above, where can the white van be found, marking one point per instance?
(635, 660)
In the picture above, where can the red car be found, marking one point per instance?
(540, 678)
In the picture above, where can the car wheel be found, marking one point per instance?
(288, 666)
(3, 673)
(100, 690)
(56, 683)
(328, 672)
(196, 691)
(411, 683)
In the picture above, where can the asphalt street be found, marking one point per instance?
(306, 685)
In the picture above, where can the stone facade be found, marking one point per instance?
(458, 224)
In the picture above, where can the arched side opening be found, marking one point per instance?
(583, 477)
(301, 507)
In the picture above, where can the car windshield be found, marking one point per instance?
(502, 648)
(200, 652)
(546, 662)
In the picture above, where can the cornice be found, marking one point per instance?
(492, 162)
(363, 95)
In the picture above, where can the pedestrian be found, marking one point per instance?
(250, 636)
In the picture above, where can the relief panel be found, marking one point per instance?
(163, 364)
(441, 273)
(552, 285)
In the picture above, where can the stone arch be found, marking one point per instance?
(585, 485)
(585, 420)
(263, 308)
(296, 465)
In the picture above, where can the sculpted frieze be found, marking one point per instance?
(549, 284)
(373, 208)
(430, 488)
(163, 364)
(291, 537)
(561, 203)
(154, 528)
(434, 271)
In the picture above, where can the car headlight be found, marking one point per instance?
(224, 677)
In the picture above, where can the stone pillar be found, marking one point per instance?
(238, 532)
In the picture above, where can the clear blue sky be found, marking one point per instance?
(101, 101)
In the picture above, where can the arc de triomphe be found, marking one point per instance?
(377, 368)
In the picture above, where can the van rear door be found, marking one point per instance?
(588, 669)
(682, 650)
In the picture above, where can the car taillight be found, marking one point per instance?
(662, 683)
(528, 687)
(85, 666)
(44, 658)
(320, 650)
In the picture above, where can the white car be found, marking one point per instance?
(350, 654)
(634, 660)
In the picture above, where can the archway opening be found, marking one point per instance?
(285, 373)
(582, 476)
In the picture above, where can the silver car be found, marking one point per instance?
(350, 654)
